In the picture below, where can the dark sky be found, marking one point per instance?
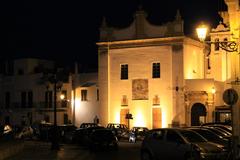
(67, 30)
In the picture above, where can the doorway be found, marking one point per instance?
(123, 119)
(198, 114)
(156, 118)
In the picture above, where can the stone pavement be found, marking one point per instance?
(34, 150)
(10, 147)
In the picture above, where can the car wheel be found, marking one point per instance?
(146, 156)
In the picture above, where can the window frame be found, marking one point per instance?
(124, 71)
(156, 70)
(216, 44)
(84, 94)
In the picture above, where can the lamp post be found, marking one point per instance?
(229, 46)
(57, 85)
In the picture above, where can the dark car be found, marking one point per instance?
(212, 137)
(120, 130)
(225, 126)
(137, 133)
(219, 132)
(103, 138)
(179, 144)
(44, 131)
(86, 125)
(82, 135)
(66, 133)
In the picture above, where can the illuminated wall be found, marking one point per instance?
(178, 61)
(139, 62)
(193, 61)
(220, 60)
(85, 111)
(234, 21)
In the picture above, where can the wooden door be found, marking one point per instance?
(156, 118)
(123, 119)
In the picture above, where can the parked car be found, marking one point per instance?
(179, 144)
(44, 131)
(222, 129)
(67, 132)
(25, 133)
(103, 138)
(82, 135)
(225, 126)
(211, 136)
(86, 125)
(120, 130)
(219, 132)
(137, 133)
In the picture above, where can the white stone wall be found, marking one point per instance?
(27, 82)
(103, 81)
(139, 62)
(193, 62)
(85, 111)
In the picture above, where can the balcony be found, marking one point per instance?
(42, 106)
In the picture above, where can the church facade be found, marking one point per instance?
(156, 74)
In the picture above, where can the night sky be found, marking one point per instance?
(67, 30)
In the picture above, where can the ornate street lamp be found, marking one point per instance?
(229, 46)
(202, 32)
(57, 85)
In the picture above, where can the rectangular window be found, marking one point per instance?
(65, 118)
(97, 94)
(156, 70)
(84, 95)
(64, 92)
(30, 99)
(23, 99)
(7, 99)
(48, 99)
(216, 44)
(64, 101)
(124, 71)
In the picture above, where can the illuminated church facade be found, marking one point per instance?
(161, 77)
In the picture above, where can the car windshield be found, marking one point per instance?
(217, 132)
(192, 136)
(207, 134)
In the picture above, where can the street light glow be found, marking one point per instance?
(213, 90)
(202, 32)
(62, 96)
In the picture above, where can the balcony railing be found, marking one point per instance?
(39, 105)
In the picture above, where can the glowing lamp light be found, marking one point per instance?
(62, 96)
(202, 32)
(213, 90)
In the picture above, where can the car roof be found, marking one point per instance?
(156, 129)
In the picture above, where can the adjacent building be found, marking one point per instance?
(85, 95)
(27, 93)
